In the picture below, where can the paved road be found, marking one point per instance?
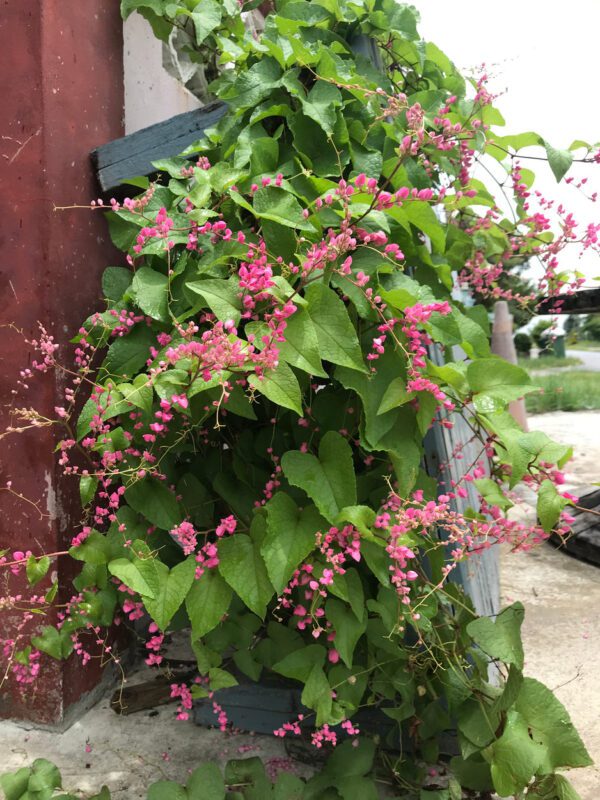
(590, 359)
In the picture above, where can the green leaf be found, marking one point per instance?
(484, 374)
(549, 725)
(478, 722)
(475, 340)
(395, 395)
(206, 783)
(355, 788)
(423, 217)
(473, 773)
(406, 458)
(149, 290)
(249, 773)
(93, 408)
(253, 85)
(516, 141)
(115, 282)
(128, 6)
(174, 585)
(103, 794)
(515, 757)
(301, 346)
(501, 638)
(220, 679)
(348, 760)
(207, 602)
(36, 569)
(362, 517)
(444, 329)
(279, 385)
(155, 501)
(87, 489)
(549, 505)
(499, 397)
(95, 549)
(278, 205)
(377, 560)
(336, 335)
(243, 567)
(496, 383)
(348, 629)
(139, 393)
(382, 431)
(264, 158)
(328, 480)
(167, 790)
(554, 787)
(356, 595)
(321, 105)
(206, 17)
(45, 777)
(141, 575)
(221, 296)
(317, 694)
(526, 448)
(311, 142)
(14, 784)
(56, 643)
(299, 664)
(290, 537)
(559, 160)
(492, 493)
(128, 354)
(289, 787)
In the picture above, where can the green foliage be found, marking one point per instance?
(37, 782)
(328, 479)
(549, 362)
(522, 343)
(591, 327)
(280, 424)
(539, 333)
(581, 392)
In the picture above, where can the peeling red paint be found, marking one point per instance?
(62, 95)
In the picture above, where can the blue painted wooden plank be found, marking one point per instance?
(133, 155)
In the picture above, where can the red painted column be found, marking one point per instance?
(62, 95)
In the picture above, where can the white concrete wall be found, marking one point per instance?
(151, 94)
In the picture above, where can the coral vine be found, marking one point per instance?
(257, 392)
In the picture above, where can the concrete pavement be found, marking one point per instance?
(590, 359)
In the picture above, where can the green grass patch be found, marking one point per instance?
(548, 362)
(584, 345)
(575, 391)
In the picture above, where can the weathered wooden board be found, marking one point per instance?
(449, 454)
(148, 694)
(585, 540)
(262, 708)
(586, 301)
(133, 155)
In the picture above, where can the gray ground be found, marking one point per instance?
(562, 647)
(561, 595)
(590, 359)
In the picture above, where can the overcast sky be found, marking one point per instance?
(546, 57)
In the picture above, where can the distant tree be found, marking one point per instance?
(523, 344)
(591, 327)
(540, 333)
(573, 324)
